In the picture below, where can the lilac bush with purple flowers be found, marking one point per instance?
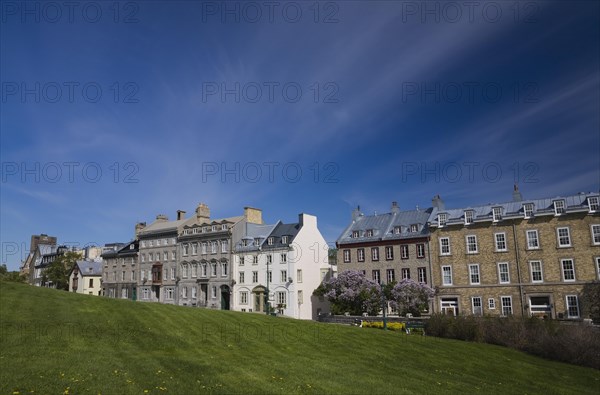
(353, 293)
(409, 296)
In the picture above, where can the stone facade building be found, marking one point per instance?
(524, 257)
(120, 270)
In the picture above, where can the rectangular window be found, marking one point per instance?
(360, 254)
(559, 207)
(593, 204)
(269, 259)
(194, 248)
(173, 255)
(283, 258)
(500, 241)
(506, 305)
(414, 228)
(186, 249)
(404, 251)
(405, 273)
(213, 247)
(299, 275)
(133, 275)
(143, 243)
(533, 241)
(474, 274)
(491, 303)
(284, 239)
(269, 276)
(598, 266)
(477, 306)
(503, 274)
(244, 297)
(355, 234)
(568, 269)
(224, 269)
(422, 275)
(224, 227)
(213, 269)
(572, 306)
(376, 276)
(143, 257)
(241, 277)
(528, 210)
(254, 277)
(300, 297)
(270, 241)
(445, 246)
(397, 230)
(184, 271)
(151, 256)
(283, 276)
(564, 237)
(203, 248)
(468, 217)
(195, 270)
(281, 298)
(123, 275)
(172, 273)
(203, 273)
(471, 244)
(369, 233)
(255, 260)
(389, 253)
(391, 275)
(442, 219)
(346, 256)
(447, 275)
(375, 253)
(224, 246)
(537, 275)
(194, 292)
(595, 234)
(184, 292)
(213, 292)
(420, 250)
(497, 214)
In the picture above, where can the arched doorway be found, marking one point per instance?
(260, 299)
(225, 295)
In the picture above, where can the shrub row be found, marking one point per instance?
(392, 326)
(575, 344)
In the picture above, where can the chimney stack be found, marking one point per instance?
(180, 215)
(202, 212)
(138, 228)
(438, 203)
(356, 213)
(395, 208)
(516, 196)
(162, 217)
(253, 215)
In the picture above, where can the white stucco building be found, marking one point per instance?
(85, 278)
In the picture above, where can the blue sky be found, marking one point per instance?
(371, 101)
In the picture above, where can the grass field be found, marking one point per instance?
(53, 342)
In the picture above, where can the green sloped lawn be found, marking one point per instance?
(53, 342)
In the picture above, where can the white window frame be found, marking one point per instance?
(375, 254)
(376, 276)
(282, 297)
(597, 259)
(389, 253)
(529, 239)
(405, 273)
(360, 254)
(442, 220)
(473, 305)
(369, 233)
(447, 268)
(224, 246)
(390, 275)
(404, 253)
(300, 297)
(213, 292)
(593, 203)
(442, 246)
(569, 305)
(532, 271)
(558, 237)
(203, 248)
(194, 248)
(528, 210)
(498, 242)
(299, 275)
(595, 234)
(186, 249)
(224, 269)
(242, 277)
(213, 269)
(474, 272)
(422, 275)
(283, 276)
(467, 237)
(491, 303)
(509, 305)
(254, 277)
(355, 234)
(496, 214)
(500, 272)
(563, 270)
(346, 254)
(243, 297)
(468, 217)
(283, 257)
(559, 207)
(420, 250)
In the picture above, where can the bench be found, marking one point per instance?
(415, 325)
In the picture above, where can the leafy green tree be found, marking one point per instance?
(58, 271)
(590, 301)
(14, 276)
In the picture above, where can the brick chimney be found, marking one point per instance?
(395, 208)
(253, 215)
(356, 213)
(516, 196)
(139, 227)
(202, 212)
(180, 215)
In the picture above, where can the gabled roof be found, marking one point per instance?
(161, 226)
(254, 232)
(89, 268)
(541, 207)
(289, 230)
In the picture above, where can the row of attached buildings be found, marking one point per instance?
(522, 257)
(234, 263)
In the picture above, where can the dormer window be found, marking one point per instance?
(205, 229)
(468, 217)
(224, 227)
(442, 219)
(559, 207)
(257, 241)
(355, 234)
(284, 239)
(244, 243)
(397, 230)
(369, 232)
(593, 203)
(414, 228)
(214, 228)
(528, 210)
(270, 240)
(131, 247)
(496, 214)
